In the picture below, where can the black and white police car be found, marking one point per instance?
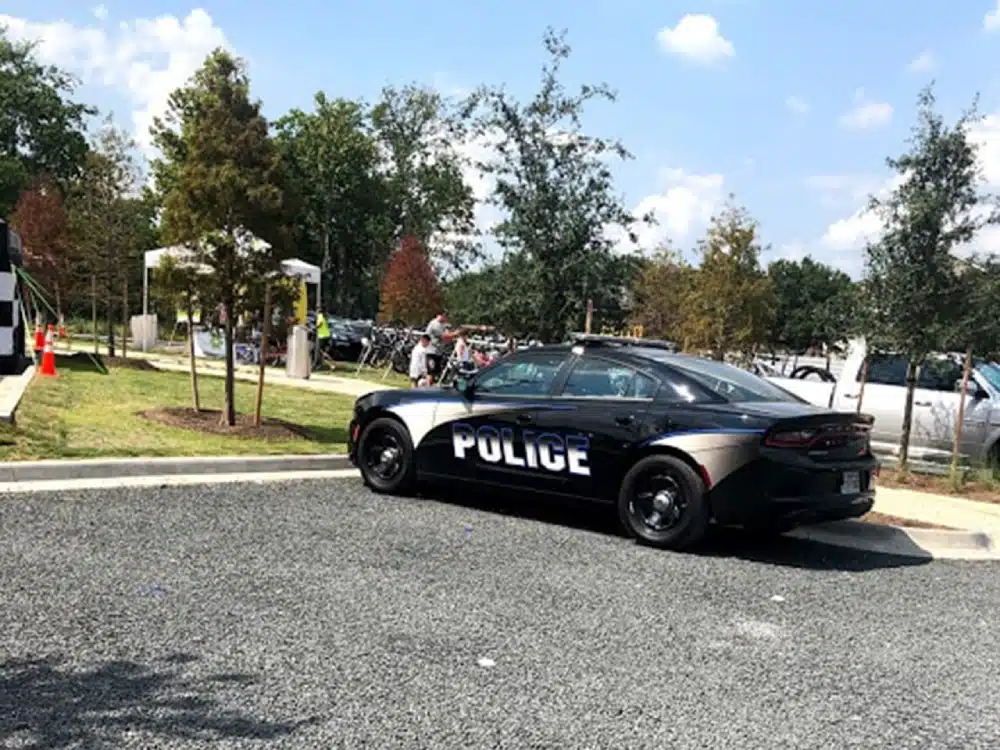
(675, 441)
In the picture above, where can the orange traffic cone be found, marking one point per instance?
(39, 336)
(49, 355)
(62, 326)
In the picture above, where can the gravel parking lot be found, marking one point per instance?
(315, 614)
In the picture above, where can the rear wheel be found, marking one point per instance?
(662, 503)
(385, 457)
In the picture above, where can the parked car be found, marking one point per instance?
(935, 403)
(672, 441)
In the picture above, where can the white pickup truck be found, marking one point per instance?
(935, 404)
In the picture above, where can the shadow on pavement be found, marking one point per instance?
(45, 704)
(720, 542)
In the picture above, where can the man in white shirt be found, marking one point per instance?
(438, 334)
(418, 361)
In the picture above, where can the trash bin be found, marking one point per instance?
(298, 363)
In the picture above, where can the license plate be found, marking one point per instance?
(851, 484)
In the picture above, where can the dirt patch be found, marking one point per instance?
(129, 363)
(210, 421)
(970, 489)
(882, 518)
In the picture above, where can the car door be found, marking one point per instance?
(884, 397)
(935, 408)
(605, 404)
(479, 435)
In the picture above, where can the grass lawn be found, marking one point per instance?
(85, 413)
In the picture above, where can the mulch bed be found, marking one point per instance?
(882, 518)
(941, 485)
(210, 421)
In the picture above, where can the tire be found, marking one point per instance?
(688, 504)
(394, 475)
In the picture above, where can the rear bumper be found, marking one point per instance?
(768, 492)
(352, 442)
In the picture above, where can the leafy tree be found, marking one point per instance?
(41, 128)
(661, 292)
(811, 304)
(911, 271)
(40, 218)
(731, 300)
(106, 228)
(334, 163)
(223, 188)
(418, 131)
(555, 187)
(410, 291)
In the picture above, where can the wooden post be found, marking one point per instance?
(590, 316)
(125, 318)
(93, 310)
(864, 380)
(265, 335)
(960, 419)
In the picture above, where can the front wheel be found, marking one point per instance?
(662, 503)
(385, 457)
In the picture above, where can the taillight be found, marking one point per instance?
(790, 438)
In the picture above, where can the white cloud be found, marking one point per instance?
(101, 13)
(838, 190)
(797, 104)
(866, 114)
(696, 37)
(991, 21)
(923, 63)
(145, 59)
(684, 207)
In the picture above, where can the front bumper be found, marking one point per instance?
(776, 492)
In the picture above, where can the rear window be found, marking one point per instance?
(731, 383)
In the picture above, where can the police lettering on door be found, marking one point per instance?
(538, 450)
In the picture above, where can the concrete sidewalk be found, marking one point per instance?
(943, 510)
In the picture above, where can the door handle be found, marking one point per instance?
(921, 403)
(626, 420)
(524, 419)
(851, 396)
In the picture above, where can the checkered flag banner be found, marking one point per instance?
(10, 258)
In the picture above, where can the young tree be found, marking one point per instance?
(555, 187)
(660, 292)
(410, 291)
(427, 197)
(178, 282)
(334, 164)
(40, 218)
(911, 271)
(222, 184)
(41, 128)
(106, 229)
(731, 302)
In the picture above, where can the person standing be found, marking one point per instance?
(322, 334)
(418, 361)
(438, 335)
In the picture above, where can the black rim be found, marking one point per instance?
(383, 454)
(658, 501)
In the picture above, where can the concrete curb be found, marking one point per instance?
(35, 471)
(926, 544)
(12, 392)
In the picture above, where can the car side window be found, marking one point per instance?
(595, 378)
(885, 371)
(939, 375)
(531, 375)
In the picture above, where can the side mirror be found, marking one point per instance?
(464, 386)
(973, 389)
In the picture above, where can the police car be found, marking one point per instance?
(673, 441)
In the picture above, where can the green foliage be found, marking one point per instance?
(555, 188)
(41, 128)
(343, 223)
(814, 302)
(661, 295)
(731, 301)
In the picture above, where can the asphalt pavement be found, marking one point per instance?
(315, 614)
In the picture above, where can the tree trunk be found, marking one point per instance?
(904, 438)
(960, 419)
(125, 318)
(265, 335)
(111, 327)
(93, 311)
(229, 411)
(194, 367)
(864, 381)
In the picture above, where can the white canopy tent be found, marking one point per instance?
(292, 267)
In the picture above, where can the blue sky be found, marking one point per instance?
(753, 97)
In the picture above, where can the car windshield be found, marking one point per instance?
(732, 383)
(990, 371)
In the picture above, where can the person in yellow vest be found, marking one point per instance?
(322, 334)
